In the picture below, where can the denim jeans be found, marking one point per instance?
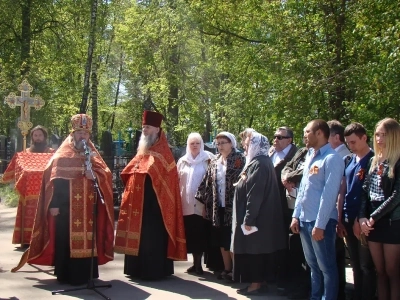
(362, 264)
(321, 257)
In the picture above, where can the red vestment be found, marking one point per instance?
(159, 164)
(69, 164)
(26, 170)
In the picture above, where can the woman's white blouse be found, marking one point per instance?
(190, 177)
(221, 181)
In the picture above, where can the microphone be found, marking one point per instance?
(86, 148)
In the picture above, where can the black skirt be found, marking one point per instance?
(221, 236)
(212, 255)
(385, 232)
(195, 230)
(250, 267)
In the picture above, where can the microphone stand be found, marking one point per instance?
(90, 285)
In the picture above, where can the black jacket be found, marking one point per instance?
(290, 171)
(278, 169)
(390, 208)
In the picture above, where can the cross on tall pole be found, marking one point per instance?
(26, 102)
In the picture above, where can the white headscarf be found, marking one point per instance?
(259, 145)
(230, 136)
(201, 157)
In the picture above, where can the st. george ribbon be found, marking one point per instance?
(89, 168)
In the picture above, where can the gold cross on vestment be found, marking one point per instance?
(90, 222)
(135, 213)
(91, 197)
(123, 212)
(26, 102)
(138, 188)
(77, 223)
(78, 197)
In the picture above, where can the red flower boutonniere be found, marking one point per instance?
(314, 170)
(361, 174)
(238, 163)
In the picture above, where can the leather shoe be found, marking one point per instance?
(194, 270)
(242, 290)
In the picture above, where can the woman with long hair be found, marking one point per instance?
(191, 169)
(379, 215)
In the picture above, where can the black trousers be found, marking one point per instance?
(341, 266)
(363, 267)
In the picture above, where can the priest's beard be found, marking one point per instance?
(78, 145)
(38, 147)
(146, 142)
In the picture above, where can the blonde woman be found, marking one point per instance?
(191, 169)
(379, 216)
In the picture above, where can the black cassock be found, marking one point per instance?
(152, 262)
(74, 271)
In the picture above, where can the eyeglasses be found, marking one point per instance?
(280, 137)
(221, 144)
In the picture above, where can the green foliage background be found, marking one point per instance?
(206, 65)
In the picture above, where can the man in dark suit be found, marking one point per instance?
(281, 153)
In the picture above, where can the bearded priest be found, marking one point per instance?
(150, 230)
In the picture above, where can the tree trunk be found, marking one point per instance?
(95, 114)
(121, 63)
(25, 36)
(91, 47)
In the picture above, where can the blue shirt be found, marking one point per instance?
(319, 187)
(354, 182)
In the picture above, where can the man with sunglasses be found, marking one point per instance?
(281, 153)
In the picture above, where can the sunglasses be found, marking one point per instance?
(280, 137)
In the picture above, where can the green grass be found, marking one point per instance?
(8, 195)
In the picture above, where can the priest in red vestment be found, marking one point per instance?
(39, 141)
(150, 230)
(62, 234)
(26, 170)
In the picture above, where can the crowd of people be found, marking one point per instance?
(265, 214)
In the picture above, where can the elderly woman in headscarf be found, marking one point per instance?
(191, 169)
(257, 226)
(216, 193)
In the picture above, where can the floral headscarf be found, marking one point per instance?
(259, 145)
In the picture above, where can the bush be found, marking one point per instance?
(8, 195)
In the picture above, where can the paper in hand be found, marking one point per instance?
(247, 232)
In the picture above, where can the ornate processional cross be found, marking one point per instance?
(26, 102)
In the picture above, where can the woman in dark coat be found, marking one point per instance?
(256, 206)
